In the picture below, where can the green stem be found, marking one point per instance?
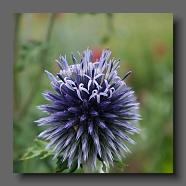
(110, 23)
(110, 29)
(43, 60)
(15, 74)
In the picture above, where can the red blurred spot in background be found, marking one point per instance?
(159, 49)
(61, 14)
(96, 53)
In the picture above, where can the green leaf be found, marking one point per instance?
(61, 166)
(36, 150)
(74, 167)
(103, 168)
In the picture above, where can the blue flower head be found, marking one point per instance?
(92, 112)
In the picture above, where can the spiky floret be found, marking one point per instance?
(92, 112)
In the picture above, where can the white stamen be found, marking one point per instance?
(79, 89)
(78, 93)
(94, 93)
(98, 98)
(97, 95)
(111, 92)
(89, 83)
(93, 81)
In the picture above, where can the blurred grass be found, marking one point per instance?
(143, 42)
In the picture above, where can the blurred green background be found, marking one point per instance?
(143, 42)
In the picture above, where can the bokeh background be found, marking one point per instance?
(143, 42)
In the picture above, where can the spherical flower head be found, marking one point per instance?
(92, 112)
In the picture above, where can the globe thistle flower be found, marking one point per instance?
(92, 112)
